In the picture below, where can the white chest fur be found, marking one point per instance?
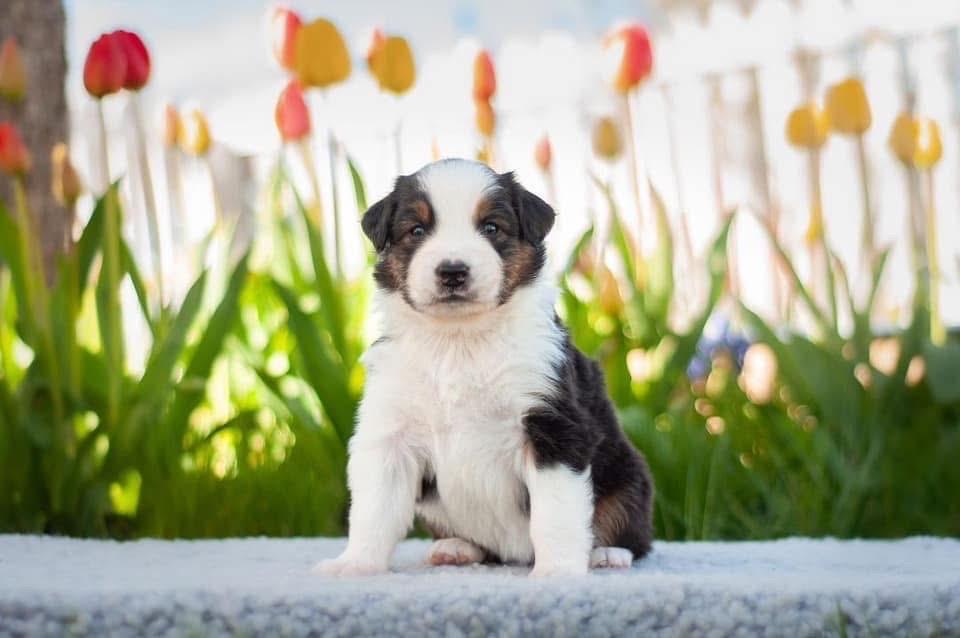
(456, 397)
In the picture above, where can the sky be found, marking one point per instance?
(213, 54)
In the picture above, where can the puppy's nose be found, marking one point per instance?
(452, 274)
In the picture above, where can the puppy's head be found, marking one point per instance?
(457, 239)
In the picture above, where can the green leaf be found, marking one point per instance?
(359, 190)
(10, 253)
(91, 240)
(943, 371)
(139, 287)
(659, 289)
(321, 368)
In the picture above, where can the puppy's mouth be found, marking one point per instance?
(454, 298)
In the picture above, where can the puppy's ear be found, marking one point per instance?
(535, 215)
(376, 222)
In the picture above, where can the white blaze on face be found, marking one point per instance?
(455, 189)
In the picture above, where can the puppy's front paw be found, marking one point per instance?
(346, 566)
(553, 570)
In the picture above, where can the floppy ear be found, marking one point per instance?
(536, 216)
(376, 222)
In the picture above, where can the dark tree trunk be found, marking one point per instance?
(38, 26)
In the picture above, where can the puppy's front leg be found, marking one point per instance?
(383, 475)
(561, 513)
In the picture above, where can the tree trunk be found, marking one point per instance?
(38, 26)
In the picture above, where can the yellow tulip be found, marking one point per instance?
(170, 125)
(195, 134)
(607, 141)
(321, 57)
(808, 126)
(391, 63)
(66, 182)
(848, 108)
(916, 141)
(486, 118)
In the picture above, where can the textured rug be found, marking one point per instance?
(254, 587)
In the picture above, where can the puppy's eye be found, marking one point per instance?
(489, 228)
(418, 231)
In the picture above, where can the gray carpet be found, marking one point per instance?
(252, 587)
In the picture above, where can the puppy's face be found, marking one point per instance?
(457, 239)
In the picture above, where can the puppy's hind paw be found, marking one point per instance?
(346, 567)
(454, 551)
(616, 557)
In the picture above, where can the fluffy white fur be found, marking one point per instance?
(445, 395)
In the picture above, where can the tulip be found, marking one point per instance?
(291, 114)
(630, 55)
(808, 126)
(484, 77)
(848, 108)
(322, 58)
(138, 60)
(486, 119)
(483, 155)
(14, 157)
(105, 69)
(392, 64)
(916, 141)
(285, 25)
(194, 135)
(377, 40)
(66, 183)
(543, 154)
(170, 125)
(607, 140)
(13, 77)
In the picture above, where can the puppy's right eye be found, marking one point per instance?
(418, 231)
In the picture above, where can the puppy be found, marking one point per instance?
(479, 416)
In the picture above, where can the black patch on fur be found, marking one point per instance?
(577, 427)
(428, 488)
(389, 223)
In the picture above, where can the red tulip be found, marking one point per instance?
(14, 157)
(105, 70)
(632, 56)
(484, 77)
(377, 40)
(138, 60)
(292, 115)
(284, 25)
(543, 154)
(13, 77)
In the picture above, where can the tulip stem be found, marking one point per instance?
(397, 145)
(334, 194)
(315, 211)
(112, 323)
(938, 334)
(819, 249)
(149, 199)
(869, 223)
(639, 193)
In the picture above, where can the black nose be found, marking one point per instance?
(452, 274)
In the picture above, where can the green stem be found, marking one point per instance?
(149, 200)
(869, 223)
(938, 334)
(113, 337)
(821, 252)
(317, 209)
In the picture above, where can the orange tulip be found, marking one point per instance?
(607, 139)
(13, 77)
(292, 115)
(322, 55)
(486, 119)
(377, 40)
(484, 77)
(14, 157)
(848, 107)
(808, 126)
(284, 26)
(66, 182)
(916, 141)
(105, 69)
(631, 56)
(392, 64)
(138, 60)
(543, 154)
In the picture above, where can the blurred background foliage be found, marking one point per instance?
(134, 404)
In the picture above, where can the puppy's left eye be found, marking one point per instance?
(489, 228)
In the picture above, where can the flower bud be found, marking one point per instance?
(322, 58)
(194, 137)
(284, 27)
(14, 157)
(848, 107)
(629, 57)
(543, 154)
(392, 65)
(13, 77)
(291, 114)
(170, 125)
(607, 141)
(484, 77)
(138, 60)
(66, 183)
(808, 126)
(916, 141)
(486, 118)
(105, 69)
